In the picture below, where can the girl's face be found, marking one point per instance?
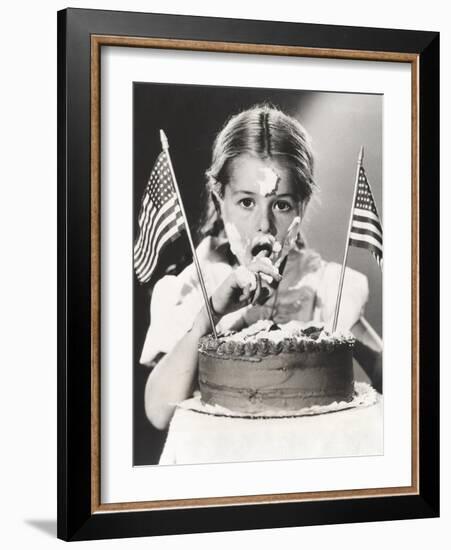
(260, 209)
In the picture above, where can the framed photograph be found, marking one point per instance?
(248, 274)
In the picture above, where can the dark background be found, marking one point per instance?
(191, 116)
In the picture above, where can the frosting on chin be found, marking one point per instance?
(238, 245)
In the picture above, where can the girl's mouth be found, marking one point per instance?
(260, 247)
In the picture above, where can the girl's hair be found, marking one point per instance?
(265, 132)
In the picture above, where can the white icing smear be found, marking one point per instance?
(279, 250)
(267, 181)
(238, 245)
(289, 242)
(264, 328)
(277, 247)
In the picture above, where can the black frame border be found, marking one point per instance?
(75, 519)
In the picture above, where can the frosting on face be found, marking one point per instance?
(277, 247)
(291, 236)
(239, 245)
(257, 225)
(279, 250)
(267, 181)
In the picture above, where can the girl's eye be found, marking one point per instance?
(247, 203)
(282, 206)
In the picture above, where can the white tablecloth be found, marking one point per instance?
(196, 437)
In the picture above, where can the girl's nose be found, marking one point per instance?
(266, 223)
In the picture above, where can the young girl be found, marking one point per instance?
(252, 255)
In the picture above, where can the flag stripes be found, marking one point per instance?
(166, 225)
(362, 227)
(365, 235)
(150, 219)
(165, 233)
(156, 219)
(171, 234)
(366, 213)
(366, 228)
(160, 220)
(375, 250)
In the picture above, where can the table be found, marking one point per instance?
(196, 437)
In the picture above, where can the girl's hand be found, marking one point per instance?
(242, 285)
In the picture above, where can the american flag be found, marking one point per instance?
(160, 219)
(366, 227)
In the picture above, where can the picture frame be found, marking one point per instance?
(81, 36)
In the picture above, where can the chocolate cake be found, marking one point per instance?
(269, 367)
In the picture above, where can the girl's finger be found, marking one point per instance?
(264, 265)
(258, 290)
(245, 277)
(245, 293)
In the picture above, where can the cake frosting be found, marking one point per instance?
(278, 367)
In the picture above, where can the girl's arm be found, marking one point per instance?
(173, 378)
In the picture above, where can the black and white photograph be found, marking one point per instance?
(257, 262)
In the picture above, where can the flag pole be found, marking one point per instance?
(345, 257)
(165, 145)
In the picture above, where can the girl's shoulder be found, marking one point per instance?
(307, 266)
